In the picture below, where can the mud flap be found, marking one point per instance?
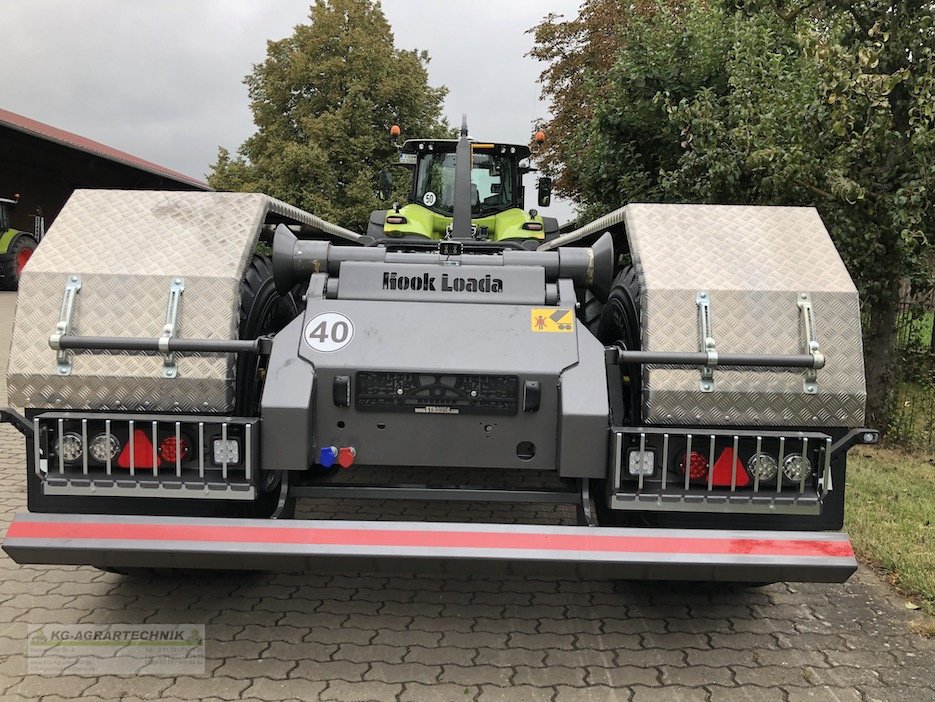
(593, 552)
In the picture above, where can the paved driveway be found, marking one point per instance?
(361, 636)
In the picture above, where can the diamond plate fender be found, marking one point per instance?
(754, 263)
(128, 247)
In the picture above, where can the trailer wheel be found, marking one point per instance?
(14, 260)
(262, 311)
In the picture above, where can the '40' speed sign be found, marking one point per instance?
(329, 331)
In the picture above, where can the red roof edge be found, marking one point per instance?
(60, 136)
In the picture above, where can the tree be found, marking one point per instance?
(323, 102)
(829, 104)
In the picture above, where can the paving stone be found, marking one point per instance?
(724, 657)
(823, 693)
(330, 670)
(441, 655)
(255, 668)
(272, 690)
(403, 672)
(302, 651)
(475, 675)
(367, 654)
(418, 692)
(508, 625)
(672, 694)
(514, 693)
(542, 641)
(746, 693)
(547, 677)
(592, 693)
(35, 686)
(507, 658)
(581, 658)
(325, 635)
(609, 642)
(623, 676)
(773, 675)
(695, 676)
(635, 625)
(475, 639)
(392, 637)
(360, 691)
(224, 688)
(677, 641)
(140, 686)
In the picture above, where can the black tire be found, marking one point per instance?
(11, 263)
(619, 323)
(262, 311)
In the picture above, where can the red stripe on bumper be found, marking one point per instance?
(494, 541)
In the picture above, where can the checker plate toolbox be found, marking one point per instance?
(688, 377)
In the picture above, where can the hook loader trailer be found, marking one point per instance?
(689, 377)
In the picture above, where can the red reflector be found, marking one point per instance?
(724, 466)
(697, 466)
(171, 450)
(142, 452)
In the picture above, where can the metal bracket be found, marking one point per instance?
(810, 384)
(706, 340)
(72, 286)
(176, 288)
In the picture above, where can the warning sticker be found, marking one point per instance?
(549, 319)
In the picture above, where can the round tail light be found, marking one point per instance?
(172, 450)
(697, 465)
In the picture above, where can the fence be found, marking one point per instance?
(912, 424)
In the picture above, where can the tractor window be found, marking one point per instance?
(4, 217)
(492, 179)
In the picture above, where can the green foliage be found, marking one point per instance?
(323, 102)
(825, 103)
(888, 515)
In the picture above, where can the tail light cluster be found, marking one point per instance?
(742, 462)
(145, 446)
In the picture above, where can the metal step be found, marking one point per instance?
(330, 545)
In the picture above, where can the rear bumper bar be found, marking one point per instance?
(603, 552)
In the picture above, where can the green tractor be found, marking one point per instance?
(16, 247)
(491, 213)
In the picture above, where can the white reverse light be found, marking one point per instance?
(71, 447)
(641, 463)
(226, 451)
(104, 447)
(763, 466)
(795, 466)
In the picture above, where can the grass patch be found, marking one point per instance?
(890, 516)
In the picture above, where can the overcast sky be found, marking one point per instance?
(164, 80)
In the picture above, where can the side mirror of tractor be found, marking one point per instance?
(545, 191)
(386, 184)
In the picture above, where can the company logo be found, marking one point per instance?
(443, 283)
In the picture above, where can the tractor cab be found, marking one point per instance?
(491, 191)
(6, 210)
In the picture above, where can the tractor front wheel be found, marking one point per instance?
(14, 260)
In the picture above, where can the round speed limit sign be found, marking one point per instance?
(329, 331)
